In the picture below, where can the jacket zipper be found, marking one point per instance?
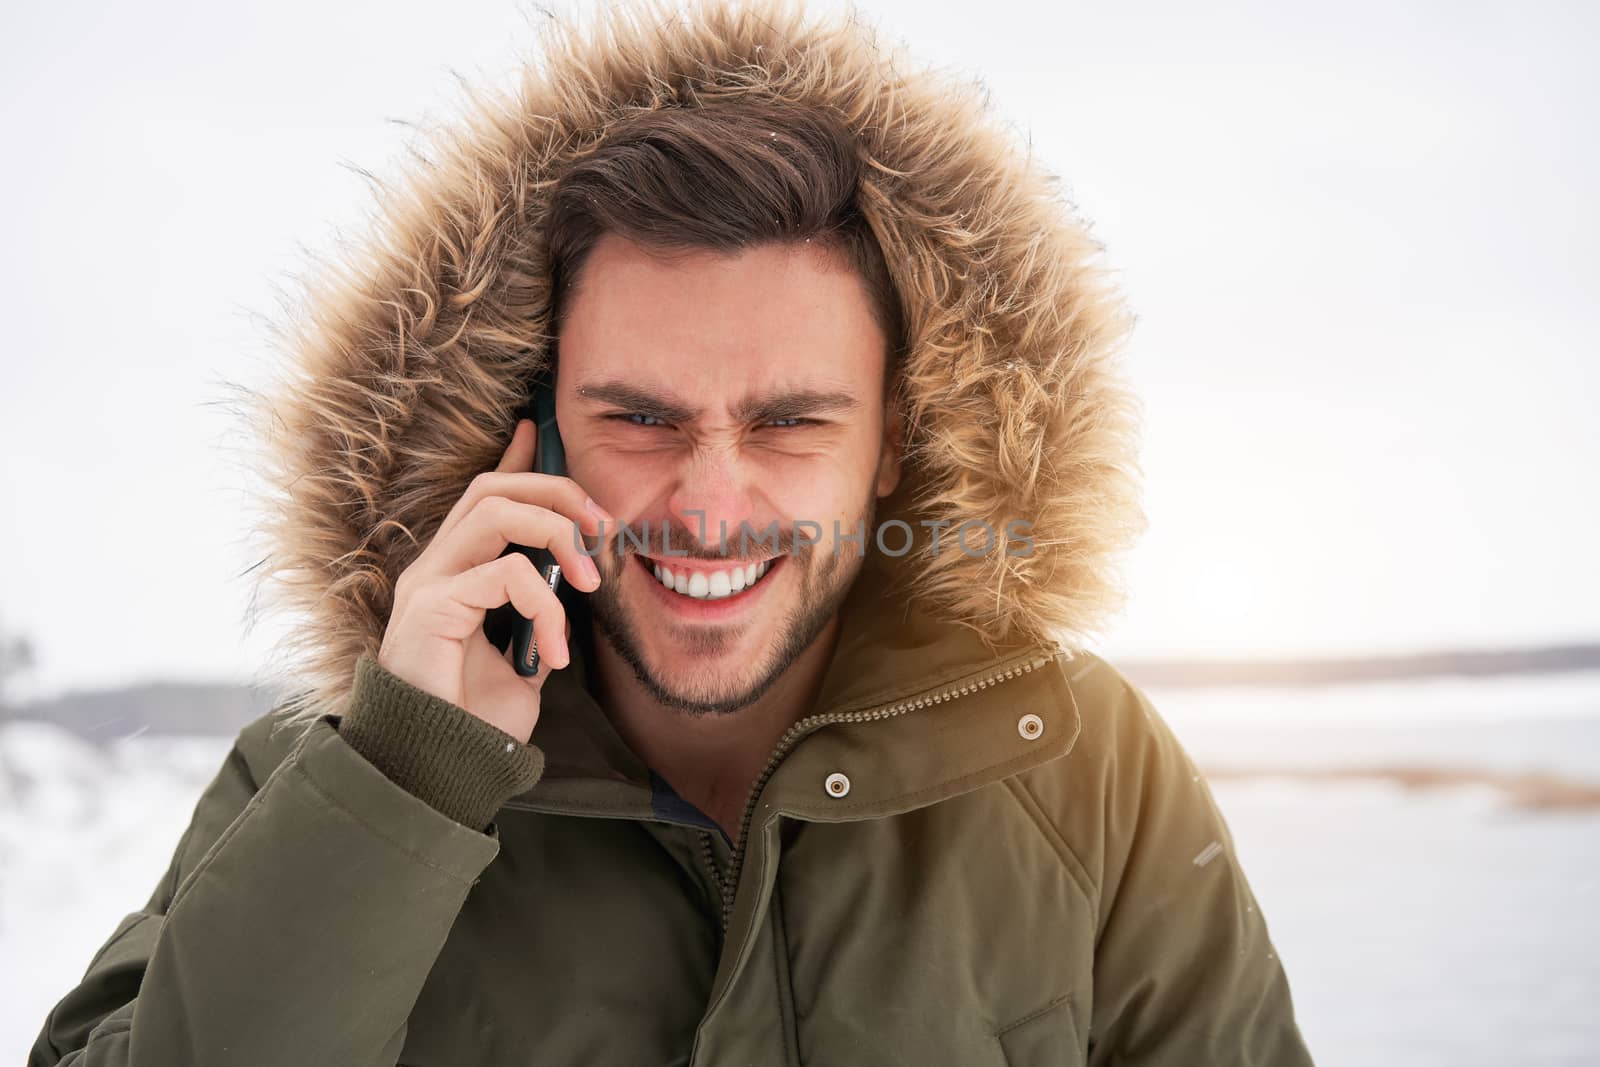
(730, 881)
(708, 857)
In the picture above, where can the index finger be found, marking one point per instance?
(513, 478)
(523, 450)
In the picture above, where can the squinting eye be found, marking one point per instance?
(631, 416)
(786, 423)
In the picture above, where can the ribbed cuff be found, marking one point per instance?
(435, 750)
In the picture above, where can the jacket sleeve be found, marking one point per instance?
(308, 898)
(1185, 973)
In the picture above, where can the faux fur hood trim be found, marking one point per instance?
(408, 357)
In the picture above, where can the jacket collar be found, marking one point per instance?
(913, 708)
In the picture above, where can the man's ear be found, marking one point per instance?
(893, 446)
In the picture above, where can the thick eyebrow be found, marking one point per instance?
(636, 400)
(781, 404)
(793, 403)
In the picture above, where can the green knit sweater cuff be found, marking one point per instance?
(435, 750)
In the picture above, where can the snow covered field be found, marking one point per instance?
(1419, 928)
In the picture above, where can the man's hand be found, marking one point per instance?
(435, 638)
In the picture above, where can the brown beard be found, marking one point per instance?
(824, 585)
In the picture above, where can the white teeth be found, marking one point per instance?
(710, 586)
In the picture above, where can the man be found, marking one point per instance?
(837, 793)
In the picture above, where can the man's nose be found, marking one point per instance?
(713, 495)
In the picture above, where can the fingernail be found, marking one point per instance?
(595, 509)
(590, 566)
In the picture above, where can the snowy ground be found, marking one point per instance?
(85, 834)
(1435, 929)
(1419, 928)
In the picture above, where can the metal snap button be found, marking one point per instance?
(837, 785)
(1030, 727)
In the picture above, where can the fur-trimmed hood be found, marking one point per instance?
(409, 357)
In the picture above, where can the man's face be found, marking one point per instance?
(710, 392)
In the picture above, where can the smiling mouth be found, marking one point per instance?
(708, 584)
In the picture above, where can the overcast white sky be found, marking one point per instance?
(1362, 240)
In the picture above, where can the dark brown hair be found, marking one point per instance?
(726, 176)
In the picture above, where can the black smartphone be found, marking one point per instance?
(506, 622)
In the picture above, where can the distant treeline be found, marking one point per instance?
(1547, 659)
(157, 708)
(199, 708)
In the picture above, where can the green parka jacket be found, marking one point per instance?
(980, 846)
